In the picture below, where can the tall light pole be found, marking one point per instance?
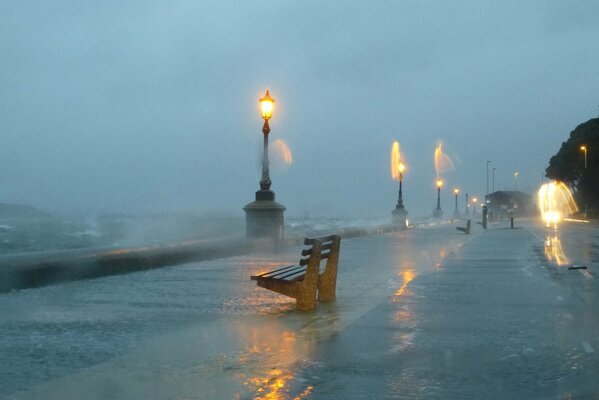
(438, 213)
(494, 179)
(488, 162)
(456, 213)
(474, 200)
(584, 148)
(264, 216)
(466, 211)
(515, 178)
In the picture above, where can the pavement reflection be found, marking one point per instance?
(554, 252)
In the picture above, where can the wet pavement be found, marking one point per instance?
(427, 313)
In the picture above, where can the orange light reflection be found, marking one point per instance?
(408, 275)
(554, 251)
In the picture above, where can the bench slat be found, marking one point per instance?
(307, 252)
(305, 261)
(275, 271)
(283, 274)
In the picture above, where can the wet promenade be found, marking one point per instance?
(428, 313)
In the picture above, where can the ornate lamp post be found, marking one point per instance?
(267, 104)
(400, 213)
(264, 216)
(438, 213)
(456, 213)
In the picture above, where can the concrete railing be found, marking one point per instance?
(30, 270)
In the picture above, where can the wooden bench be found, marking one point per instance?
(304, 282)
(466, 230)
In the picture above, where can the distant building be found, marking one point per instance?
(502, 204)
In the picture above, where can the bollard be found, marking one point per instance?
(512, 222)
(484, 217)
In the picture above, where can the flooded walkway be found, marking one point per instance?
(428, 313)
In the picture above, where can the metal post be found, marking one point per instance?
(466, 207)
(488, 176)
(484, 217)
(400, 196)
(265, 182)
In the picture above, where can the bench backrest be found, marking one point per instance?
(326, 247)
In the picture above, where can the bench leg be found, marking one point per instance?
(327, 282)
(306, 298)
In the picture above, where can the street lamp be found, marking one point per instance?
(400, 213)
(584, 148)
(438, 212)
(515, 177)
(264, 216)
(266, 106)
(401, 169)
(456, 213)
(474, 200)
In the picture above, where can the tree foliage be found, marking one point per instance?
(568, 165)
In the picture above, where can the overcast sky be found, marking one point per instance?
(143, 106)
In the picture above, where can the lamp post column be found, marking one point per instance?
(466, 211)
(265, 182)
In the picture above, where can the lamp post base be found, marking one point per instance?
(437, 213)
(400, 217)
(264, 217)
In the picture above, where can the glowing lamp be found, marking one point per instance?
(402, 168)
(474, 200)
(456, 191)
(583, 148)
(439, 183)
(266, 106)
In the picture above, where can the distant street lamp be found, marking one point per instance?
(400, 214)
(438, 212)
(515, 178)
(474, 200)
(456, 213)
(488, 162)
(584, 148)
(466, 210)
(401, 169)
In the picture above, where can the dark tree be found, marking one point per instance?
(568, 165)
